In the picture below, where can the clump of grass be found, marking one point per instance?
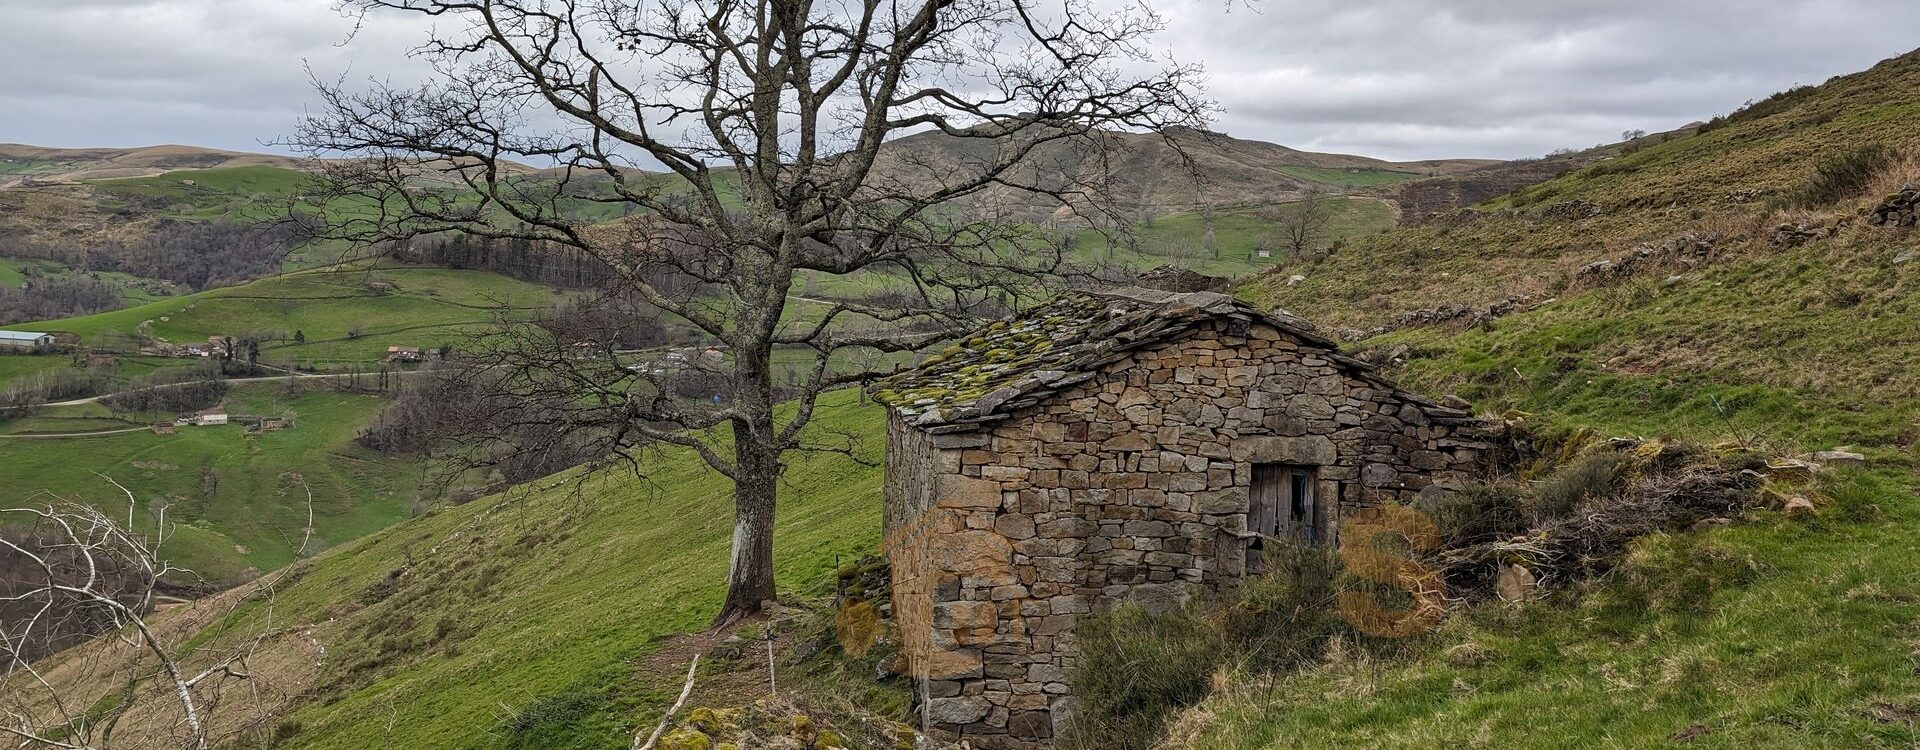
(1588, 477)
(1285, 618)
(1137, 668)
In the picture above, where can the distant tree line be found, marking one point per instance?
(546, 263)
(199, 255)
(171, 390)
(50, 297)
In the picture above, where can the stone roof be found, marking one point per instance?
(1018, 362)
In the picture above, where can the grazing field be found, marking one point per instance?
(254, 193)
(237, 498)
(341, 313)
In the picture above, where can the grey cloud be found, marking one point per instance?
(1432, 78)
(1404, 79)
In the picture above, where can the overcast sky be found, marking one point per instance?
(1399, 79)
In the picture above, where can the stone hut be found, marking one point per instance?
(1116, 445)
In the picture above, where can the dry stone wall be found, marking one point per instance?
(1134, 485)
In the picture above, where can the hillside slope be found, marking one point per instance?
(239, 499)
(526, 620)
(346, 313)
(1824, 305)
(1152, 173)
(1771, 633)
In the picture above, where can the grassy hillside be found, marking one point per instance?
(1771, 633)
(236, 496)
(1180, 238)
(426, 307)
(524, 620)
(223, 193)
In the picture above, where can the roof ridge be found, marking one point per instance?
(1016, 362)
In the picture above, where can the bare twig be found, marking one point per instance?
(685, 690)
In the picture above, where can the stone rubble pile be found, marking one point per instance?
(1573, 210)
(1901, 209)
(1688, 251)
(1795, 234)
(1448, 315)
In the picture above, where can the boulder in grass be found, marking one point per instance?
(1799, 507)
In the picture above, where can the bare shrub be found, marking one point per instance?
(1845, 175)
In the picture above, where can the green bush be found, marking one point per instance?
(1844, 175)
(1590, 476)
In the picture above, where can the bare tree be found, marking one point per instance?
(1303, 223)
(76, 562)
(770, 120)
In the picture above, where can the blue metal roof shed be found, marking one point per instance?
(24, 338)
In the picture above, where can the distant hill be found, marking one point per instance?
(1467, 187)
(1149, 174)
(20, 163)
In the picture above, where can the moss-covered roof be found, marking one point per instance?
(1017, 362)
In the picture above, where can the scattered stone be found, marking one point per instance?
(1905, 256)
(1791, 470)
(1573, 210)
(1455, 402)
(1451, 314)
(1795, 234)
(1691, 733)
(1296, 280)
(1683, 252)
(1712, 523)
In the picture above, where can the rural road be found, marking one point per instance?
(266, 379)
(56, 435)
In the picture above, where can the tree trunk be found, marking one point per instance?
(750, 568)
(756, 483)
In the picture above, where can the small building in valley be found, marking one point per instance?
(210, 417)
(25, 341)
(1122, 445)
(405, 354)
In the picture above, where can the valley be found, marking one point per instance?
(1713, 322)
